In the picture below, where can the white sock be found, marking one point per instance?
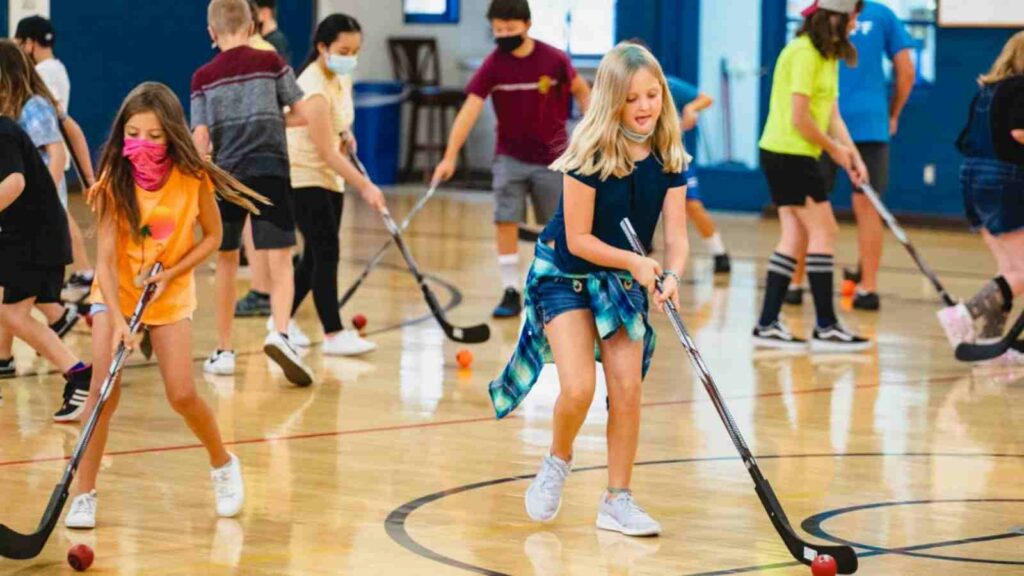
(715, 244)
(509, 265)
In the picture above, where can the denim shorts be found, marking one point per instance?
(993, 195)
(556, 296)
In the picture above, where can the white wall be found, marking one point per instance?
(723, 35)
(470, 38)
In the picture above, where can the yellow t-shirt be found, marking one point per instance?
(307, 168)
(800, 69)
(256, 41)
(178, 202)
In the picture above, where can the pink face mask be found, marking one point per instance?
(150, 162)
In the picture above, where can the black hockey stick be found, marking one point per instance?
(384, 248)
(803, 551)
(978, 352)
(468, 335)
(23, 546)
(901, 235)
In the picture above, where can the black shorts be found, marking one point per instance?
(273, 227)
(793, 179)
(876, 158)
(43, 284)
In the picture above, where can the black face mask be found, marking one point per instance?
(509, 43)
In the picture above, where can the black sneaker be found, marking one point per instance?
(7, 369)
(866, 301)
(65, 323)
(837, 338)
(794, 296)
(252, 305)
(76, 392)
(77, 288)
(511, 304)
(777, 336)
(852, 274)
(722, 264)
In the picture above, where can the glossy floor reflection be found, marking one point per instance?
(393, 464)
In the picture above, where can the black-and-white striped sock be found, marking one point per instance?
(780, 271)
(820, 272)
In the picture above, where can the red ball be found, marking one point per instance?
(464, 358)
(359, 321)
(80, 557)
(823, 565)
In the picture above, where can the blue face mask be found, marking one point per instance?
(342, 65)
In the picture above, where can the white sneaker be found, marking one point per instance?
(957, 324)
(220, 363)
(543, 498)
(228, 488)
(295, 334)
(620, 513)
(346, 343)
(82, 513)
(281, 351)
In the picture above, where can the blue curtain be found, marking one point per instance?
(670, 27)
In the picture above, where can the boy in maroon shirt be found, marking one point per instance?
(530, 84)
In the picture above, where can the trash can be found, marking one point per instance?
(378, 128)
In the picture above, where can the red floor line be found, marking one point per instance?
(396, 427)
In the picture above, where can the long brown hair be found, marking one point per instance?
(1009, 63)
(828, 32)
(114, 193)
(19, 82)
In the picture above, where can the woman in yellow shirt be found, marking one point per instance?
(803, 121)
(319, 171)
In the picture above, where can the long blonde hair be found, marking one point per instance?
(598, 145)
(1009, 63)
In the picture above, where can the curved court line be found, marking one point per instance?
(395, 523)
(332, 433)
(812, 525)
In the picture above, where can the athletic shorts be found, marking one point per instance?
(43, 284)
(993, 195)
(876, 158)
(273, 227)
(793, 179)
(692, 185)
(515, 180)
(558, 295)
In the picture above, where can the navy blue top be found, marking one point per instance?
(640, 196)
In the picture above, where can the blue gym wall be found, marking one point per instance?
(110, 46)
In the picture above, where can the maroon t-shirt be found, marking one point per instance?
(531, 99)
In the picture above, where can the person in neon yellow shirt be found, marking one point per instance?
(804, 121)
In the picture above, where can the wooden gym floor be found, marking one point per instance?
(394, 464)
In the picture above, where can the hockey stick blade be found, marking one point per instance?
(979, 352)
(800, 549)
(17, 546)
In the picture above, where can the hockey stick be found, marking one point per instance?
(23, 546)
(468, 335)
(978, 352)
(384, 247)
(901, 235)
(803, 551)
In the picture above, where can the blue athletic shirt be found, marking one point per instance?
(864, 90)
(640, 196)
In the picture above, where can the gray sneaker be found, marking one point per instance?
(544, 496)
(622, 514)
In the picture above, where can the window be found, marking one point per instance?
(431, 11)
(580, 27)
(917, 15)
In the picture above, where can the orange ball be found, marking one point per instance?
(848, 288)
(464, 358)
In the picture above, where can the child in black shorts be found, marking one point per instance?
(36, 248)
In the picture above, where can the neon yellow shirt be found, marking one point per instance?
(800, 69)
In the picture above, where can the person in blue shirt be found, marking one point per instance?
(587, 289)
(872, 113)
(691, 101)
